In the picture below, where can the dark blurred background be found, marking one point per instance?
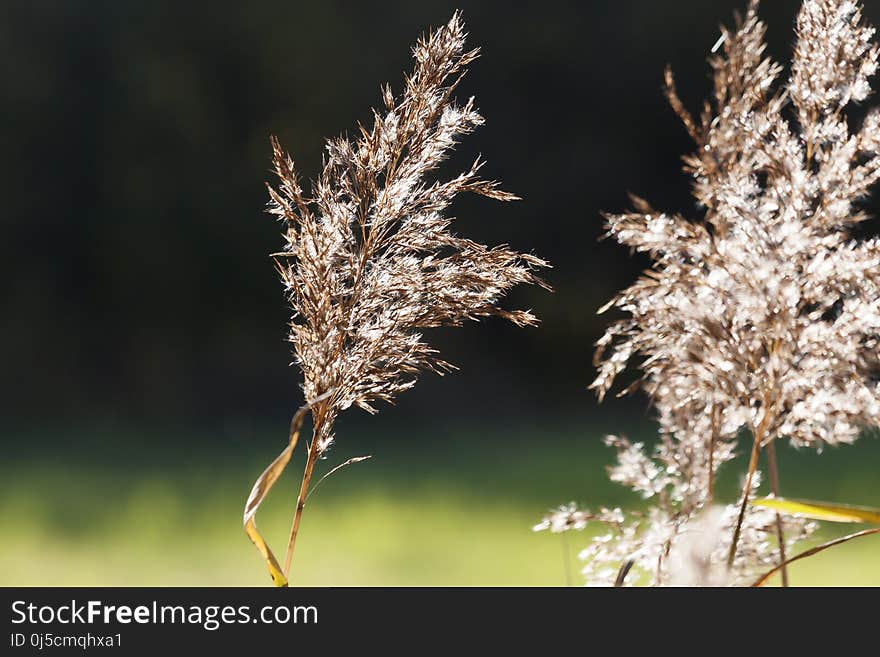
(137, 285)
(145, 373)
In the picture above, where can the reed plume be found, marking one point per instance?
(766, 309)
(370, 259)
(762, 315)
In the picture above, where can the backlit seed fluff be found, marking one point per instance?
(370, 259)
(761, 315)
(766, 309)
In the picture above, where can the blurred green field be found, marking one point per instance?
(449, 506)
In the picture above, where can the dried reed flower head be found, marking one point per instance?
(370, 260)
(765, 313)
(674, 539)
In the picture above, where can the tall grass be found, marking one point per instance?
(370, 259)
(761, 317)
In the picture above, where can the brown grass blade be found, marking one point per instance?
(809, 553)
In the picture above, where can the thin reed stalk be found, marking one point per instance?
(780, 530)
(309, 469)
(747, 490)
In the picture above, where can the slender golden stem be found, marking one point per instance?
(318, 418)
(753, 464)
(774, 486)
(301, 502)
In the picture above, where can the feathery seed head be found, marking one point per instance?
(766, 308)
(763, 315)
(370, 259)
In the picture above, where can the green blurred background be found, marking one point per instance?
(145, 376)
(453, 504)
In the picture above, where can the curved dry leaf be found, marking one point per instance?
(261, 488)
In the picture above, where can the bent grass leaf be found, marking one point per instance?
(820, 510)
(258, 493)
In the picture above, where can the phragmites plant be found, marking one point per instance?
(370, 259)
(763, 316)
